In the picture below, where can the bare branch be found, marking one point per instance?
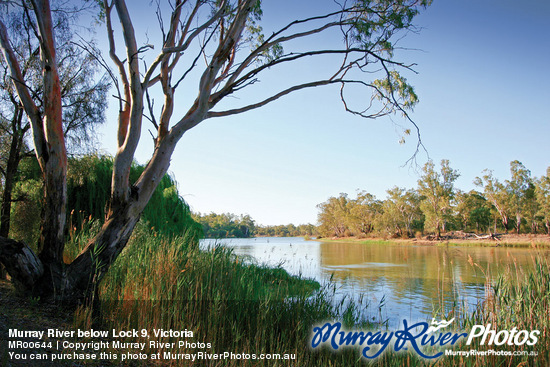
(116, 60)
(272, 40)
(103, 63)
(151, 105)
(231, 87)
(217, 16)
(221, 55)
(272, 98)
(182, 46)
(194, 63)
(384, 110)
(43, 18)
(130, 119)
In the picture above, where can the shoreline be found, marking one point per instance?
(504, 240)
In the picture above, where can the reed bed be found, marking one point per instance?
(168, 283)
(518, 298)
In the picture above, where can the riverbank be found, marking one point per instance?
(162, 284)
(455, 239)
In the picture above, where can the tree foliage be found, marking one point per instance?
(226, 225)
(520, 190)
(229, 225)
(496, 193)
(437, 191)
(87, 179)
(333, 216)
(287, 230)
(88, 196)
(401, 214)
(436, 206)
(83, 92)
(542, 195)
(472, 211)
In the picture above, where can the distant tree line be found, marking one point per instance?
(228, 225)
(521, 204)
(287, 230)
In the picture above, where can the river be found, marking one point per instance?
(396, 281)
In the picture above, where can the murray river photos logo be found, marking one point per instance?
(419, 336)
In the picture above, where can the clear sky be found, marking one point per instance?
(484, 88)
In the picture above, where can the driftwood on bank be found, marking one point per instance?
(491, 236)
(460, 235)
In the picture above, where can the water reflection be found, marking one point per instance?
(412, 281)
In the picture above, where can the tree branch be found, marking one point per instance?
(272, 98)
(148, 80)
(130, 118)
(124, 104)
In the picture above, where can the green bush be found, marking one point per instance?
(88, 191)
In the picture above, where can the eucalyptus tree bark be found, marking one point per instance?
(14, 157)
(48, 139)
(233, 63)
(53, 156)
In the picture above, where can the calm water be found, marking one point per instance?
(410, 281)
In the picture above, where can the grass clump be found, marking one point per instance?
(517, 298)
(169, 283)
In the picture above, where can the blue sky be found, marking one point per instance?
(483, 83)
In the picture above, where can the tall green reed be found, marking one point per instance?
(168, 283)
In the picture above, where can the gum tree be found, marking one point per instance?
(437, 191)
(520, 191)
(495, 192)
(213, 50)
(363, 212)
(83, 97)
(472, 211)
(400, 211)
(542, 195)
(333, 216)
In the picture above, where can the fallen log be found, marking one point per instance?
(492, 236)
